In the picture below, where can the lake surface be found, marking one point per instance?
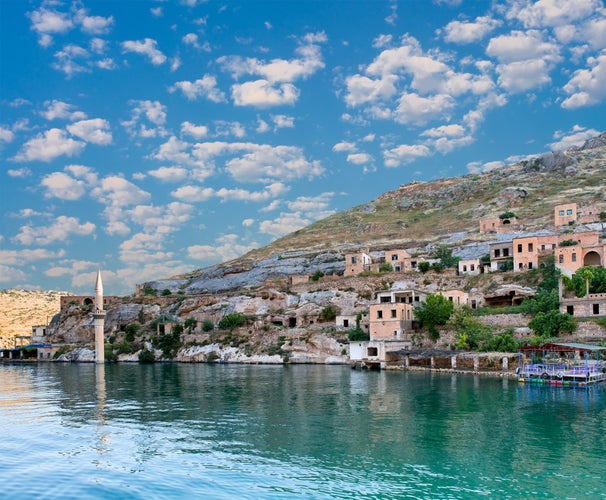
(231, 431)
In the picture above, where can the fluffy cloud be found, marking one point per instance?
(522, 46)
(117, 191)
(147, 47)
(359, 158)
(404, 154)
(6, 135)
(196, 131)
(226, 247)
(470, 31)
(56, 109)
(195, 194)
(152, 111)
(520, 76)
(203, 87)
(575, 137)
(169, 174)
(264, 94)
(48, 146)
(48, 22)
(413, 108)
(59, 230)
(553, 12)
(63, 186)
(95, 131)
(93, 25)
(587, 86)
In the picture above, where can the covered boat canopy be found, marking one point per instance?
(564, 347)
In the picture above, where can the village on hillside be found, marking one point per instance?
(384, 330)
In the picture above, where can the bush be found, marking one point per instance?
(357, 335)
(385, 267)
(552, 323)
(208, 325)
(147, 356)
(231, 321)
(424, 266)
(317, 275)
(166, 292)
(434, 310)
(131, 330)
(329, 313)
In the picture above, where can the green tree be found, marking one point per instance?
(446, 258)
(170, 343)
(424, 266)
(131, 331)
(596, 277)
(190, 324)
(385, 267)
(507, 215)
(329, 313)
(552, 323)
(166, 292)
(317, 275)
(146, 356)
(207, 325)
(232, 321)
(433, 311)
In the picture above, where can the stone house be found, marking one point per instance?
(564, 214)
(592, 305)
(471, 267)
(498, 225)
(500, 253)
(356, 263)
(400, 260)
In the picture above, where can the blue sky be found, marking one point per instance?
(151, 138)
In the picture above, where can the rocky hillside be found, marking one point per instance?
(22, 309)
(418, 216)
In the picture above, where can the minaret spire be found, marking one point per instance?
(99, 316)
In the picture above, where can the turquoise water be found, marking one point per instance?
(230, 431)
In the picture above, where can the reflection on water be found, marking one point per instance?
(313, 431)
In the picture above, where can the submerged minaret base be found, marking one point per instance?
(99, 321)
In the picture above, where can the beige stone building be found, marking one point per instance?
(356, 263)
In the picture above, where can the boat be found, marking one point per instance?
(562, 364)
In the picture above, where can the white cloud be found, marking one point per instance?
(157, 12)
(63, 186)
(193, 40)
(161, 219)
(118, 192)
(226, 247)
(48, 146)
(264, 94)
(248, 222)
(413, 108)
(196, 131)
(6, 135)
(520, 76)
(152, 111)
(575, 137)
(48, 22)
(59, 230)
(587, 86)
(469, 32)
(25, 255)
(56, 109)
(522, 46)
(203, 87)
(95, 131)
(19, 172)
(147, 47)
(344, 146)
(594, 32)
(193, 194)
(283, 121)
(72, 59)
(93, 25)
(359, 158)
(553, 13)
(144, 247)
(169, 174)
(404, 154)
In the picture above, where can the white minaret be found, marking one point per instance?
(99, 315)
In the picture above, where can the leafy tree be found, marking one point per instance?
(507, 215)
(166, 292)
(424, 266)
(317, 275)
(434, 310)
(329, 313)
(208, 325)
(131, 330)
(357, 334)
(385, 267)
(148, 290)
(169, 342)
(501, 343)
(190, 324)
(596, 277)
(552, 323)
(471, 333)
(232, 321)
(146, 356)
(446, 257)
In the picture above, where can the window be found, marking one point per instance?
(519, 248)
(561, 213)
(497, 252)
(372, 351)
(542, 247)
(570, 310)
(354, 260)
(346, 323)
(574, 257)
(398, 269)
(561, 258)
(530, 265)
(569, 211)
(464, 268)
(472, 267)
(505, 252)
(379, 314)
(393, 313)
(596, 308)
(394, 256)
(530, 247)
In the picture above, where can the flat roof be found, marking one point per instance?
(564, 346)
